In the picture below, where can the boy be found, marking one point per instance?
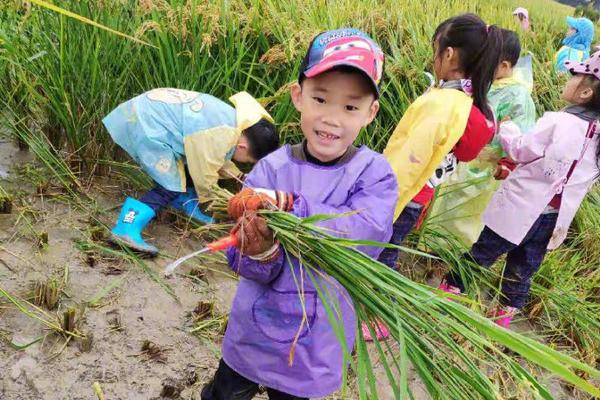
(185, 141)
(336, 95)
(464, 197)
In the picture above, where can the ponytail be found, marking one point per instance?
(479, 48)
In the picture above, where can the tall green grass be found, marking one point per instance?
(74, 74)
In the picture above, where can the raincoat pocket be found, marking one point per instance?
(280, 315)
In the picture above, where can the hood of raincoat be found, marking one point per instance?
(582, 39)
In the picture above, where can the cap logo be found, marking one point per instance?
(331, 36)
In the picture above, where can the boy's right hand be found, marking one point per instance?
(256, 199)
(255, 238)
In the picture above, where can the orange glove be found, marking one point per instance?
(256, 199)
(504, 168)
(255, 238)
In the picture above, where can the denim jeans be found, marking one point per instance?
(522, 261)
(403, 225)
(229, 385)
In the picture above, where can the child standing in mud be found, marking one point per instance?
(185, 141)
(450, 123)
(336, 95)
(558, 161)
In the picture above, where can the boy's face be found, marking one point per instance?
(242, 153)
(334, 106)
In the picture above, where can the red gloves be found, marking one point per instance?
(256, 199)
(504, 168)
(255, 238)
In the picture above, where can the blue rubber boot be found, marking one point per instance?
(134, 216)
(188, 203)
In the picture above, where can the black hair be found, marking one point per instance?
(347, 69)
(511, 47)
(479, 47)
(262, 138)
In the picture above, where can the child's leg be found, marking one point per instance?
(523, 261)
(484, 252)
(228, 385)
(277, 395)
(158, 198)
(403, 225)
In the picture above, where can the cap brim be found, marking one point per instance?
(575, 67)
(327, 66)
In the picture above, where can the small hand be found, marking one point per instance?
(256, 199)
(254, 235)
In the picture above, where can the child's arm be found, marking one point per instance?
(478, 133)
(370, 208)
(257, 257)
(526, 148)
(205, 153)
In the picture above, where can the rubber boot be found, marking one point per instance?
(134, 216)
(188, 203)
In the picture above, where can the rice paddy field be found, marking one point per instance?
(82, 319)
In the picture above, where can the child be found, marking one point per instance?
(185, 141)
(522, 16)
(558, 162)
(464, 196)
(336, 96)
(447, 124)
(576, 44)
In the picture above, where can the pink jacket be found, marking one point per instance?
(545, 156)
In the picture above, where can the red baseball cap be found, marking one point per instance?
(344, 47)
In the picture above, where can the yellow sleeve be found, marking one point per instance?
(425, 135)
(229, 171)
(205, 152)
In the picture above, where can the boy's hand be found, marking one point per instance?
(256, 238)
(504, 168)
(256, 199)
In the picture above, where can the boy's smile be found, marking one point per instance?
(334, 106)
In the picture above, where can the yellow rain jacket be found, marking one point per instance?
(427, 132)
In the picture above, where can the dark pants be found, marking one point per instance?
(229, 385)
(522, 261)
(159, 197)
(403, 225)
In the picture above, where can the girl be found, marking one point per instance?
(576, 45)
(462, 199)
(522, 16)
(558, 162)
(450, 123)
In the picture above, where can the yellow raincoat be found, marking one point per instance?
(427, 132)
